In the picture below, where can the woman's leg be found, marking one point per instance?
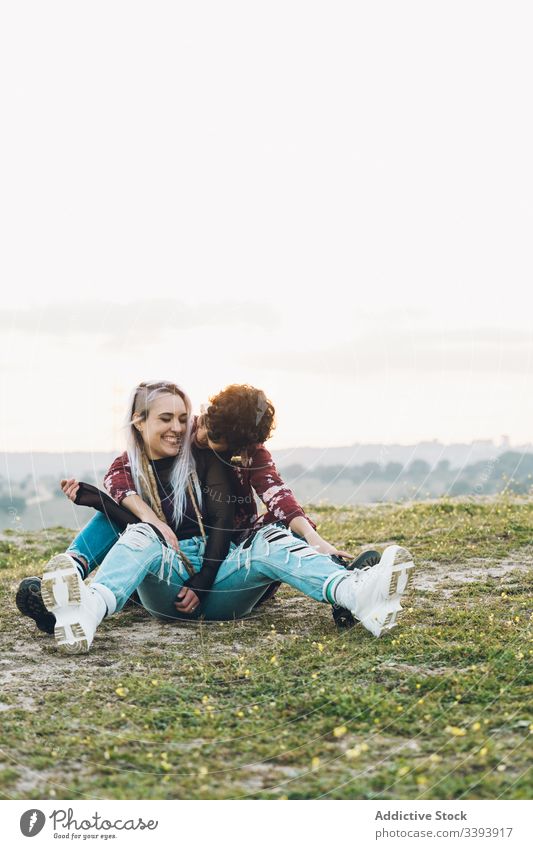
(94, 541)
(88, 549)
(138, 555)
(273, 554)
(371, 595)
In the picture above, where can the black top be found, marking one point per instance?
(217, 511)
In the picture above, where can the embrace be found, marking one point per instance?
(180, 527)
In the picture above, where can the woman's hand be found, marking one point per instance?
(187, 601)
(167, 532)
(70, 488)
(324, 547)
(303, 528)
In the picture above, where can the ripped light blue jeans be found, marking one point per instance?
(141, 561)
(94, 541)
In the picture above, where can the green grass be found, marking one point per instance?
(282, 704)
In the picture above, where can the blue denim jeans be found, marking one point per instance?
(94, 541)
(141, 561)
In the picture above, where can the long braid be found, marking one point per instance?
(150, 486)
(155, 502)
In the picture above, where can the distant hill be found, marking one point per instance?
(457, 454)
(16, 466)
(34, 500)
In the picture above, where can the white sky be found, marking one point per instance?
(330, 200)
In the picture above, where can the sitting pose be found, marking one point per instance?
(237, 422)
(210, 574)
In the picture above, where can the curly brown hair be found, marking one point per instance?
(241, 416)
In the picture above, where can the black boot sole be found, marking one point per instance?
(30, 603)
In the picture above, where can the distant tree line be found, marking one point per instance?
(510, 471)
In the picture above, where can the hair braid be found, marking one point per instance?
(150, 486)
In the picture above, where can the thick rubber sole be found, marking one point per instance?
(61, 592)
(402, 568)
(30, 603)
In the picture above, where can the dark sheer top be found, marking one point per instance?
(217, 511)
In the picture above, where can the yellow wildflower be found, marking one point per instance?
(457, 732)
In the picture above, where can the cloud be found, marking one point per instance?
(483, 350)
(146, 319)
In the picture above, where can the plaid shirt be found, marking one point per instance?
(254, 471)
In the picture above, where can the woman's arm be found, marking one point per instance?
(220, 511)
(271, 488)
(281, 502)
(301, 526)
(145, 513)
(118, 481)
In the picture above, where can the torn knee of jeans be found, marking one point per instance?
(138, 536)
(304, 550)
(275, 533)
(287, 540)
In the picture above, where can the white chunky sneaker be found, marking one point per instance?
(373, 594)
(78, 609)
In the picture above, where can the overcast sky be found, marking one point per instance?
(330, 200)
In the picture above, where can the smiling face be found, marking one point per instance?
(163, 429)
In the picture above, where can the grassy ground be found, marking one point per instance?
(282, 705)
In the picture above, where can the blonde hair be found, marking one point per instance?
(184, 467)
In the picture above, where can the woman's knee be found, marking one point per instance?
(282, 538)
(139, 536)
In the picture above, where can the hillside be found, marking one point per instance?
(282, 705)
